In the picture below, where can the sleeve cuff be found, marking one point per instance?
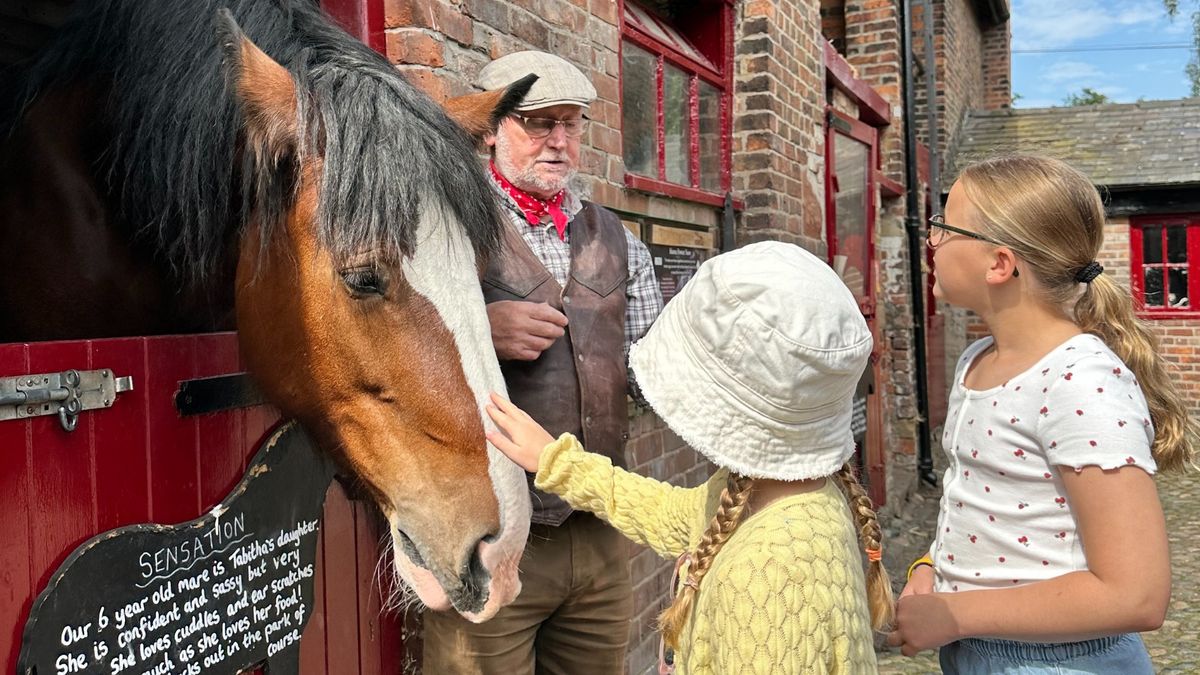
(555, 462)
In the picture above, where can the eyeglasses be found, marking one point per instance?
(541, 127)
(935, 238)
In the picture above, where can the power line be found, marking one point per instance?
(1110, 48)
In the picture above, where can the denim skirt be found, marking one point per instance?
(1118, 654)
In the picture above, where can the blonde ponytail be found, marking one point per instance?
(724, 522)
(1106, 310)
(879, 585)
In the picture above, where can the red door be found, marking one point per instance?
(139, 461)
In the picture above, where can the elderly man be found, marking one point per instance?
(568, 295)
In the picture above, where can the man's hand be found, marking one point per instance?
(520, 438)
(521, 331)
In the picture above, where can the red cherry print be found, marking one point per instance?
(959, 505)
(1099, 390)
(1045, 371)
(1044, 410)
(1003, 474)
(1145, 421)
(1047, 475)
(1067, 376)
(1045, 389)
(1092, 443)
(1069, 349)
(1019, 453)
(1053, 444)
(989, 432)
(977, 574)
(994, 403)
(947, 529)
(1001, 558)
(1079, 412)
(950, 557)
(1121, 423)
(1116, 371)
(1023, 540)
(974, 454)
(991, 518)
(1014, 420)
(987, 488)
(1016, 581)
(1061, 535)
(1130, 460)
(1045, 562)
(1021, 505)
(956, 588)
(972, 538)
(1061, 501)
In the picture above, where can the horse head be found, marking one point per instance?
(360, 311)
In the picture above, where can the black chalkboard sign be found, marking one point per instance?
(229, 590)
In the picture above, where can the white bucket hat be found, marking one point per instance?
(755, 362)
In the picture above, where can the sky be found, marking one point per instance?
(1045, 79)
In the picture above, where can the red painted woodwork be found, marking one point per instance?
(1137, 264)
(139, 461)
(873, 109)
(712, 34)
(361, 18)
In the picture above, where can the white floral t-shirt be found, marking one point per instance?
(1005, 518)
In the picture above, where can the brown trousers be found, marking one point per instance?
(571, 618)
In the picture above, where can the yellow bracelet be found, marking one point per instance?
(923, 560)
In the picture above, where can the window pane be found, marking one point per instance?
(1177, 243)
(1153, 277)
(639, 112)
(710, 137)
(677, 124)
(850, 165)
(1152, 244)
(1178, 278)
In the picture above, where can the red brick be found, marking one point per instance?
(413, 46)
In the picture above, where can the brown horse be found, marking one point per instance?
(159, 172)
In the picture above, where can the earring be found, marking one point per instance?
(1016, 273)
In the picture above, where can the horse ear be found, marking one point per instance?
(266, 90)
(479, 114)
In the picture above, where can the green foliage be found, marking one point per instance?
(1193, 66)
(1088, 96)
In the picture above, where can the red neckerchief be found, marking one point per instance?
(533, 208)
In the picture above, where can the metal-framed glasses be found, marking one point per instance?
(936, 234)
(541, 127)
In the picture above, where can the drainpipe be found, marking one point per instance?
(916, 244)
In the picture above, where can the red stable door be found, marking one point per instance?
(851, 157)
(139, 461)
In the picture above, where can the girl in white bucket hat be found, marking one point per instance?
(754, 363)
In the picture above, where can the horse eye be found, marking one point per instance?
(365, 281)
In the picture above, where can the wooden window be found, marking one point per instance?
(676, 70)
(1163, 250)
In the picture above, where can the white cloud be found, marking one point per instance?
(1051, 24)
(1071, 72)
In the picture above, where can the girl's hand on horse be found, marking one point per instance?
(920, 583)
(523, 439)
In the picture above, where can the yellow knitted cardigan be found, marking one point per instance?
(784, 595)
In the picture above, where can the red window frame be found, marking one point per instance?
(719, 75)
(1137, 265)
(840, 124)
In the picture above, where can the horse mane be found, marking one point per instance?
(175, 166)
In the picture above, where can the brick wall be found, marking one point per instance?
(997, 67)
(778, 130)
(958, 43)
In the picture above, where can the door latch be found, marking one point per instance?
(65, 394)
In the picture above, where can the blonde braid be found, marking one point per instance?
(879, 586)
(724, 522)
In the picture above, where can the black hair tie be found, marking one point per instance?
(1085, 275)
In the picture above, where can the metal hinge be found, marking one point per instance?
(65, 394)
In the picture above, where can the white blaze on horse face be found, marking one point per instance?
(443, 269)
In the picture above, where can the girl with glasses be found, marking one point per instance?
(1051, 548)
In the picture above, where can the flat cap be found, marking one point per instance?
(558, 81)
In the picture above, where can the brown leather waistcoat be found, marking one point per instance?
(578, 385)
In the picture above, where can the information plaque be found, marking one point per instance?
(227, 591)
